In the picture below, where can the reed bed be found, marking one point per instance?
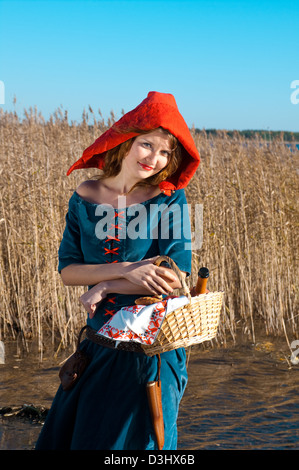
(249, 192)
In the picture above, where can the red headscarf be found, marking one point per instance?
(157, 110)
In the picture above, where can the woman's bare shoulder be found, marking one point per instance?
(87, 189)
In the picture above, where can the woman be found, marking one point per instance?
(147, 158)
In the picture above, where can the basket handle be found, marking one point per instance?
(184, 289)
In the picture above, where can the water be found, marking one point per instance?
(238, 397)
(241, 398)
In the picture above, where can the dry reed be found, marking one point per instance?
(248, 189)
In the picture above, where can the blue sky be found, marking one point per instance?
(229, 64)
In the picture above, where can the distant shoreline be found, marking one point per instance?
(268, 135)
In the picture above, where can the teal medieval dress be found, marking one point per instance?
(107, 408)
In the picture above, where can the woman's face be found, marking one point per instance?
(148, 155)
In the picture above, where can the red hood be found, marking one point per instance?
(157, 110)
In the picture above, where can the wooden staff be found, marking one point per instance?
(154, 397)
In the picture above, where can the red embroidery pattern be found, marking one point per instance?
(150, 333)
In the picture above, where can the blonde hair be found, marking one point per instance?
(114, 158)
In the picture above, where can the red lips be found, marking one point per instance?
(145, 167)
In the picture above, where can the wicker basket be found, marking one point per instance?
(191, 324)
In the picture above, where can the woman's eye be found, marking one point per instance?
(166, 153)
(147, 144)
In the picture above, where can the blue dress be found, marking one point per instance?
(107, 408)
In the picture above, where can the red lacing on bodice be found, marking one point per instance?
(111, 251)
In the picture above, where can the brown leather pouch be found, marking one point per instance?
(74, 367)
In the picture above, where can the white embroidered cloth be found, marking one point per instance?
(140, 323)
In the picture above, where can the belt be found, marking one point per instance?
(92, 335)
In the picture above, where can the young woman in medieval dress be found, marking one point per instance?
(146, 158)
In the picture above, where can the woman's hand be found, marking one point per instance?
(144, 275)
(94, 296)
(155, 278)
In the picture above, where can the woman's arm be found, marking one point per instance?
(142, 273)
(89, 274)
(96, 294)
(123, 286)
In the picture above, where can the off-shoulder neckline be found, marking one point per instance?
(116, 208)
